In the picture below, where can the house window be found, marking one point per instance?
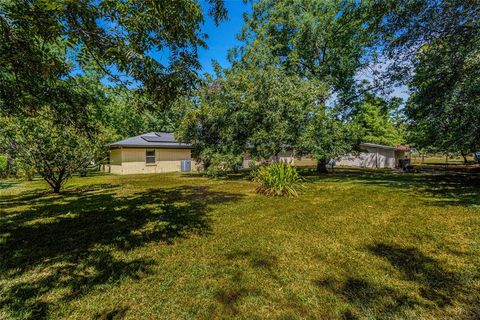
(150, 156)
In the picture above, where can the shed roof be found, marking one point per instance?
(379, 146)
(152, 140)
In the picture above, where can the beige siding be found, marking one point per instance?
(133, 155)
(173, 154)
(305, 162)
(133, 160)
(286, 156)
(116, 156)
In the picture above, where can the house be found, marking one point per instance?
(373, 155)
(153, 152)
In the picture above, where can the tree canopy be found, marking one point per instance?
(45, 43)
(433, 47)
(373, 122)
(262, 111)
(326, 40)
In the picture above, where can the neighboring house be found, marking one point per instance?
(374, 156)
(152, 152)
(286, 156)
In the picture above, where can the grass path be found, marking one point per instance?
(353, 245)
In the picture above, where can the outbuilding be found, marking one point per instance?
(375, 156)
(153, 152)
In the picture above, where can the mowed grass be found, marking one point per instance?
(354, 245)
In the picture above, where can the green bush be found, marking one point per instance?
(221, 164)
(278, 179)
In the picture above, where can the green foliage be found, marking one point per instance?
(373, 123)
(42, 42)
(434, 48)
(3, 166)
(129, 113)
(325, 138)
(263, 111)
(278, 179)
(323, 40)
(253, 168)
(54, 150)
(221, 164)
(444, 107)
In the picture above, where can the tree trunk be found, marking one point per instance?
(83, 172)
(11, 171)
(56, 187)
(464, 155)
(206, 164)
(322, 166)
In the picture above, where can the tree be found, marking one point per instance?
(373, 122)
(55, 150)
(129, 113)
(262, 111)
(444, 107)
(434, 47)
(324, 40)
(325, 139)
(44, 42)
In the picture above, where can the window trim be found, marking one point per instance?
(149, 157)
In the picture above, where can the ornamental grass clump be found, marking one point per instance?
(278, 179)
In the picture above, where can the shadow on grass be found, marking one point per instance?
(116, 314)
(71, 243)
(446, 189)
(437, 285)
(6, 184)
(368, 300)
(235, 290)
(261, 266)
(232, 176)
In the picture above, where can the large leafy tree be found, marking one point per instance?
(43, 41)
(129, 113)
(325, 138)
(263, 111)
(53, 55)
(325, 40)
(444, 107)
(434, 47)
(54, 149)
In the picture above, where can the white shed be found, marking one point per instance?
(373, 155)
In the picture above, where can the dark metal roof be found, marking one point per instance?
(152, 140)
(379, 146)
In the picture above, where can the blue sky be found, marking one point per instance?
(221, 38)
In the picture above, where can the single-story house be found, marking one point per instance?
(153, 152)
(374, 156)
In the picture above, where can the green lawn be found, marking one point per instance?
(353, 245)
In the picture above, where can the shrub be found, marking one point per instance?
(221, 164)
(253, 168)
(278, 179)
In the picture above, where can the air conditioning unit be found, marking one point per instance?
(186, 166)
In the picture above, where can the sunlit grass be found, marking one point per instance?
(354, 244)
